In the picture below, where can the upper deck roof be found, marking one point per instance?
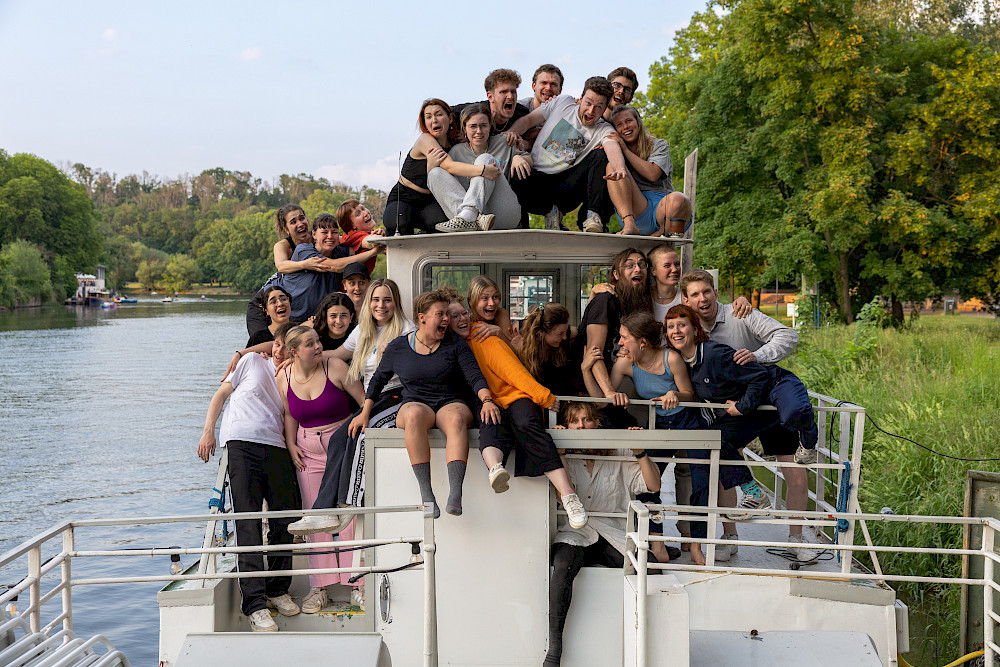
(525, 241)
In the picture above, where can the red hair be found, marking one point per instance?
(679, 311)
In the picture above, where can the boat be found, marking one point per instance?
(109, 305)
(167, 299)
(91, 289)
(122, 299)
(473, 590)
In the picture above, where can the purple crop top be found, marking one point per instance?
(329, 407)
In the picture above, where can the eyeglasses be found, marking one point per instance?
(618, 86)
(629, 265)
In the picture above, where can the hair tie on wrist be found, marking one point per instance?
(483, 172)
(239, 354)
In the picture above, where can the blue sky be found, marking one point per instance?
(331, 89)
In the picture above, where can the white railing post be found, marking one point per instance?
(854, 479)
(220, 483)
(67, 579)
(713, 501)
(430, 591)
(35, 589)
(988, 624)
(642, 520)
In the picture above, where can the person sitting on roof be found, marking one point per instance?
(483, 200)
(568, 171)
(605, 486)
(624, 83)
(410, 205)
(546, 83)
(501, 97)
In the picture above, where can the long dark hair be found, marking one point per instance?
(534, 351)
(329, 301)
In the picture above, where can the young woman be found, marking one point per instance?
(471, 181)
(410, 204)
(716, 378)
(545, 350)
(484, 304)
(315, 394)
(606, 486)
(519, 397)
(437, 369)
(291, 225)
(276, 305)
(358, 224)
(646, 200)
(334, 320)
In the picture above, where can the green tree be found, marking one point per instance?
(180, 272)
(24, 275)
(238, 250)
(150, 274)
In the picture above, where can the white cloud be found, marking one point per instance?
(380, 174)
(109, 35)
(250, 53)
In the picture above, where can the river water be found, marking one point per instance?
(100, 415)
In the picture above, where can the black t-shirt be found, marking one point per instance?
(520, 111)
(334, 343)
(262, 336)
(604, 308)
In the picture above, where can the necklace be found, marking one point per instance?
(309, 377)
(429, 348)
(645, 368)
(665, 299)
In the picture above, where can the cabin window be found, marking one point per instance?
(453, 275)
(529, 290)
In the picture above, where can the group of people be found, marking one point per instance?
(343, 354)
(486, 165)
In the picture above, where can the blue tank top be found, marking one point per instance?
(650, 385)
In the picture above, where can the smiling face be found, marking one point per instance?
(486, 306)
(382, 305)
(433, 324)
(624, 90)
(591, 108)
(680, 333)
(556, 336)
(704, 298)
(666, 268)
(277, 307)
(626, 126)
(278, 350)
(338, 320)
(459, 317)
(361, 218)
(546, 86)
(326, 239)
(355, 286)
(437, 122)
(297, 226)
(477, 131)
(502, 100)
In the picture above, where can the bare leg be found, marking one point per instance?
(453, 420)
(727, 498)
(560, 480)
(628, 201)
(675, 206)
(416, 419)
(492, 456)
(797, 496)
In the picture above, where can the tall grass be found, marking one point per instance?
(938, 383)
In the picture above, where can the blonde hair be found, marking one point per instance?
(294, 336)
(477, 286)
(369, 337)
(644, 144)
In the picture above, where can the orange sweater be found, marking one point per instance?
(509, 380)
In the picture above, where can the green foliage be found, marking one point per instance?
(239, 250)
(149, 273)
(24, 276)
(180, 272)
(873, 315)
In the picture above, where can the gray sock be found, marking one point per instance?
(456, 476)
(422, 471)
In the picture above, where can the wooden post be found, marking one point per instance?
(690, 181)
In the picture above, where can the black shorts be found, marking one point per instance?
(779, 441)
(437, 404)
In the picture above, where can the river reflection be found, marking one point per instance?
(100, 414)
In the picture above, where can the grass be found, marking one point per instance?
(936, 382)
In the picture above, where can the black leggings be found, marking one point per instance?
(406, 217)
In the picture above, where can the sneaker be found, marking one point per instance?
(574, 510)
(499, 478)
(593, 224)
(553, 219)
(750, 502)
(804, 554)
(261, 621)
(319, 523)
(723, 552)
(358, 597)
(457, 224)
(805, 456)
(314, 601)
(485, 221)
(284, 604)
(733, 548)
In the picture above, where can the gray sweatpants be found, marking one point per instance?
(454, 193)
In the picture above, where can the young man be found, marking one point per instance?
(355, 283)
(260, 468)
(761, 339)
(568, 171)
(501, 94)
(546, 83)
(624, 82)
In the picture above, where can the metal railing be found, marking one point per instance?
(64, 533)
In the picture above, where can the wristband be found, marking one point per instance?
(488, 399)
(239, 354)
(483, 172)
(641, 455)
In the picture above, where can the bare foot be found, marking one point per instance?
(685, 546)
(697, 557)
(659, 550)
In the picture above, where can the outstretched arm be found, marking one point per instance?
(206, 445)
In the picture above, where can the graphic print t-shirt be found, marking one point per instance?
(564, 140)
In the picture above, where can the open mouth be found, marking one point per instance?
(637, 279)
(442, 329)
(617, 99)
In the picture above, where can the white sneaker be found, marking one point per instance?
(261, 621)
(749, 502)
(319, 523)
(284, 604)
(804, 554)
(553, 219)
(723, 552)
(805, 456)
(593, 224)
(314, 601)
(457, 224)
(574, 510)
(358, 597)
(499, 478)
(485, 221)
(733, 548)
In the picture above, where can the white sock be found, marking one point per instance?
(468, 214)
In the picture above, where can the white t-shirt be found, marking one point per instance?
(660, 309)
(255, 412)
(370, 366)
(564, 140)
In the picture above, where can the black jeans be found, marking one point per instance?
(582, 183)
(257, 473)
